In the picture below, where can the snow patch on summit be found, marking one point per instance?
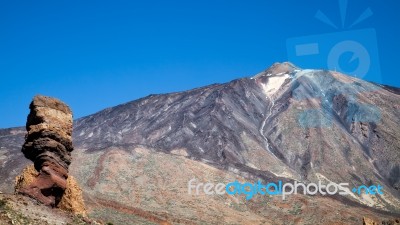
(274, 83)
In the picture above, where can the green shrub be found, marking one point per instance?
(2, 203)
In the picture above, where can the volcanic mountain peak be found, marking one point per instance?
(278, 69)
(282, 124)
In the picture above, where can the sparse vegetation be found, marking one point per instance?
(19, 210)
(296, 209)
(11, 216)
(2, 203)
(78, 220)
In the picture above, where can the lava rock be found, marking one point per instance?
(48, 144)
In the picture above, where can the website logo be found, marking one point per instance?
(353, 52)
(249, 190)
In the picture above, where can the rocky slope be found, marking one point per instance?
(18, 210)
(135, 160)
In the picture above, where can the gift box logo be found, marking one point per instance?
(352, 52)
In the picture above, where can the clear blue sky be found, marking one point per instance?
(97, 54)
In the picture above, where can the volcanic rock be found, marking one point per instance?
(72, 199)
(48, 144)
(284, 124)
(369, 221)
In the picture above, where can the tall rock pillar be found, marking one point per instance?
(48, 144)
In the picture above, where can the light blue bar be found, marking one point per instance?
(307, 49)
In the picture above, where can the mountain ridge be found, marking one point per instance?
(284, 123)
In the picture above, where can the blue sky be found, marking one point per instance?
(97, 54)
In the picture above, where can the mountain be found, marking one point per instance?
(134, 161)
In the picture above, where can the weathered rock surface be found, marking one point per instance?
(72, 199)
(285, 124)
(369, 221)
(48, 144)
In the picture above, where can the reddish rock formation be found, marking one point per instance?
(368, 221)
(48, 144)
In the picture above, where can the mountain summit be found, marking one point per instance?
(284, 123)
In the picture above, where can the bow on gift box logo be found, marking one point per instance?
(352, 52)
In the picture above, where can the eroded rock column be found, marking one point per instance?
(48, 144)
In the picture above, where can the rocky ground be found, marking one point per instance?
(134, 161)
(21, 210)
